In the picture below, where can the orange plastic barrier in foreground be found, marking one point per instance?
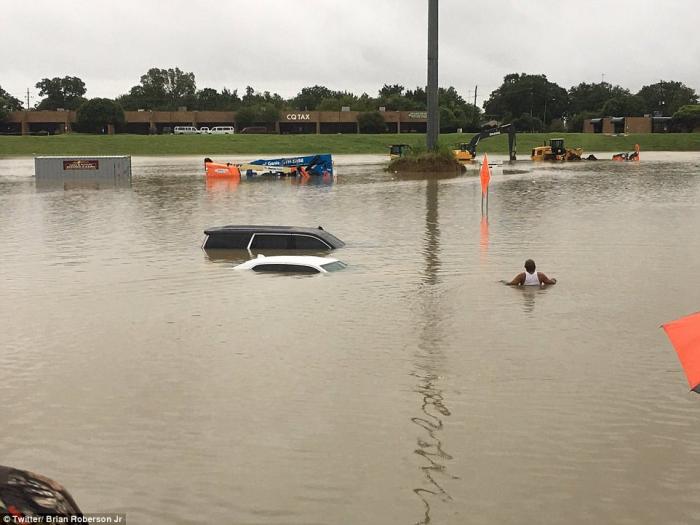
(485, 175)
(684, 334)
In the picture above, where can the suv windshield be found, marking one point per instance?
(334, 266)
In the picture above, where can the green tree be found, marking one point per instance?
(10, 103)
(575, 123)
(624, 106)
(448, 120)
(267, 113)
(245, 117)
(66, 92)
(388, 90)
(257, 114)
(230, 99)
(371, 122)
(95, 114)
(470, 118)
(162, 89)
(4, 110)
(255, 98)
(309, 98)
(687, 118)
(592, 97)
(526, 123)
(667, 97)
(209, 99)
(527, 94)
(365, 103)
(397, 102)
(340, 100)
(418, 96)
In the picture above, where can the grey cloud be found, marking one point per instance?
(284, 45)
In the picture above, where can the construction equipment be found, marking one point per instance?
(556, 151)
(628, 156)
(466, 151)
(398, 150)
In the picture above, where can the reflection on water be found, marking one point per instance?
(81, 183)
(428, 360)
(484, 237)
(223, 184)
(530, 294)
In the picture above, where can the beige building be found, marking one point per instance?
(145, 122)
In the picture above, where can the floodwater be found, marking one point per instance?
(413, 387)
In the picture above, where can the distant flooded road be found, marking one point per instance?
(413, 387)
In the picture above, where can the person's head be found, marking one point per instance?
(530, 266)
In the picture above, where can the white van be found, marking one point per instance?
(185, 130)
(222, 130)
(204, 130)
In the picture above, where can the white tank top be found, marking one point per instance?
(531, 279)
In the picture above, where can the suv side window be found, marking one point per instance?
(232, 240)
(306, 242)
(265, 241)
(284, 268)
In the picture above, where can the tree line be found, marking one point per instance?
(531, 102)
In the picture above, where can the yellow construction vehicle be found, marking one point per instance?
(398, 150)
(556, 151)
(466, 151)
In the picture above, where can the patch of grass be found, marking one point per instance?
(418, 159)
(221, 145)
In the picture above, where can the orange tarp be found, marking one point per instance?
(684, 334)
(485, 175)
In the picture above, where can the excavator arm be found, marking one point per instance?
(491, 132)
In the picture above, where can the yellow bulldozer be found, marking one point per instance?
(556, 151)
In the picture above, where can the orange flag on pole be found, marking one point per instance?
(485, 175)
(684, 334)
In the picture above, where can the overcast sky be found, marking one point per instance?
(284, 45)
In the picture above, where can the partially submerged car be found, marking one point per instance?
(292, 264)
(250, 237)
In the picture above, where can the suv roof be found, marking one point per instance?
(319, 232)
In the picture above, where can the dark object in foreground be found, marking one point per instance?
(684, 334)
(246, 237)
(24, 493)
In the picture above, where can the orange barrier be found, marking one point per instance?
(684, 334)
(222, 170)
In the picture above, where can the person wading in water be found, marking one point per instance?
(530, 277)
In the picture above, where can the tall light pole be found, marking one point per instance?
(433, 110)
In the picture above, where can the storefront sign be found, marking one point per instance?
(298, 116)
(81, 164)
(418, 115)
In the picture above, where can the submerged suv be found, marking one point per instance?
(235, 237)
(292, 264)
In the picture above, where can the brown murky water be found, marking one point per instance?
(413, 387)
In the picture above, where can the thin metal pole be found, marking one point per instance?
(433, 110)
